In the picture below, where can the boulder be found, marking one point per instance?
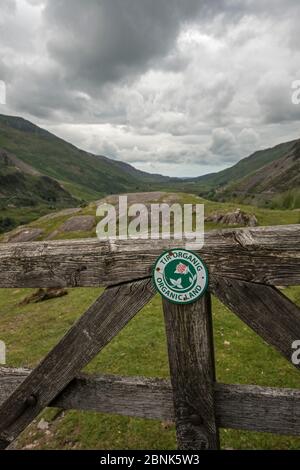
(24, 235)
(79, 223)
(238, 217)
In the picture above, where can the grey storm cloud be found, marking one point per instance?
(56, 96)
(97, 41)
(8, 6)
(100, 41)
(160, 83)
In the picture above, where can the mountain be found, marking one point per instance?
(22, 186)
(267, 177)
(42, 172)
(277, 181)
(82, 174)
(241, 169)
(25, 186)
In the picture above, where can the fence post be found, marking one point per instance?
(191, 358)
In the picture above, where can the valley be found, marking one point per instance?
(41, 173)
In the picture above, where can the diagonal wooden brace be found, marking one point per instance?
(89, 335)
(264, 309)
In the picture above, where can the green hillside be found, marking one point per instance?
(276, 184)
(247, 165)
(84, 175)
(25, 194)
(76, 175)
(213, 184)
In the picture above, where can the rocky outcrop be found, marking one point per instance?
(238, 217)
(26, 234)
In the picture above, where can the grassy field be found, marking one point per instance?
(140, 349)
(24, 216)
(264, 216)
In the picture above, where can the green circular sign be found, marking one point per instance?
(180, 276)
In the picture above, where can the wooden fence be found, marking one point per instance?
(245, 265)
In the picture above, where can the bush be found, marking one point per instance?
(6, 224)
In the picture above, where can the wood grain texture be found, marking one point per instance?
(261, 409)
(129, 396)
(269, 255)
(191, 358)
(94, 330)
(246, 407)
(264, 309)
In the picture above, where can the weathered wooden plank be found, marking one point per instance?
(191, 358)
(128, 396)
(94, 330)
(264, 309)
(269, 255)
(247, 407)
(260, 409)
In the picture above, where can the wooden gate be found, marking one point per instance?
(245, 265)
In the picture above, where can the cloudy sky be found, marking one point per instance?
(179, 87)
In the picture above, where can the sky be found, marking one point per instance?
(177, 87)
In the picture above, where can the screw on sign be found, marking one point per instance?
(180, 276)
